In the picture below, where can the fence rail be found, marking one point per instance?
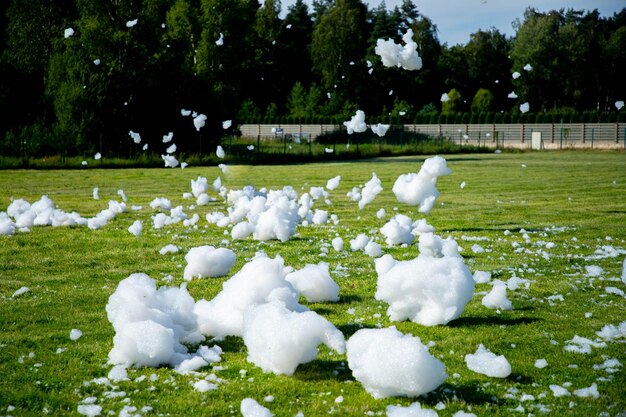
(553, 136)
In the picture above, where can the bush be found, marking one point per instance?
(483, 101)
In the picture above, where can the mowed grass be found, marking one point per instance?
(575, 200)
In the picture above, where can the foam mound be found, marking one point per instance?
(251, 408)
(278, 339)
(258, 282)
(488, 363)
(398, 230)
(207, 261)
(314, 283)
(497, 299)
(413, 410)
(151, 324)
(391, 364)
(431, 289)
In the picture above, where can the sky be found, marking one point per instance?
(457, 19)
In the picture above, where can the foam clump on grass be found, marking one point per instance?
(20, 291)
(611, 332)
(497, 299)
(333, 183)
(161, 203)
(482, 277)
(7, 227)
(169, 249)
(485, 362)
(41, 213)
(359, 242)
(199, 186)
(151, 324)
(208, 261)
(431, 289)
(314, 283)
(588, 392)
(413, 410)
(136, 228)
(106, 215)
(259, 281)
(267, 216)
(400, 230)
(89, 410)
(559, 391)
(391, 364)
(278, 339)
(420, 189)
(251, 408)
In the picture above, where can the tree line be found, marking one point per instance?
(78, 75)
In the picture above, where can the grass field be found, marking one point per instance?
(576, 200)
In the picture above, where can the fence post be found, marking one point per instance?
(258, 144)
(522, 128)
(592, 136)
(584, 133)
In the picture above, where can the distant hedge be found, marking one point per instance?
(460, 118)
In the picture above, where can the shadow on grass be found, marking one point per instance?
(230, 344)
(470, 393)
(494, 229)
(491, 321)
(321, 310)
(323, 370)
(520, 379)
(349, 298)
(351, 328)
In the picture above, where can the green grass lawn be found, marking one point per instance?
(576, 200)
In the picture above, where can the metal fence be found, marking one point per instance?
(553, 136)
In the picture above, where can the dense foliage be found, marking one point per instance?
(236, 59)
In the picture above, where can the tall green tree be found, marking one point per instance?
(29, 30)
(267, 30)
(294, 46)
(226, 58)
(103, 79)
(488, 65)
(339, 39)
